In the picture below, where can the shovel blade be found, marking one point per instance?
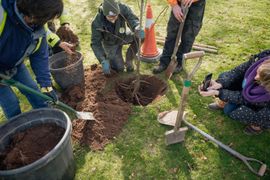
(173, 137)
(167, 118)
(170, 69)
(85, 116)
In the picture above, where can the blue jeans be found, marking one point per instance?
(229, 107)
(8, 99)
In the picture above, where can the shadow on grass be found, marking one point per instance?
(144, 154)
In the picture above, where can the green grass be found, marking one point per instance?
(238, 28)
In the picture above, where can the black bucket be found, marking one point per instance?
(58, 163)
(66, 75)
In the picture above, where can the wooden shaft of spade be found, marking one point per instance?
(184, 95)
(179, 33)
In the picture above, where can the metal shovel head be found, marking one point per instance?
(167, 118)
(85, 115)
(173, 137)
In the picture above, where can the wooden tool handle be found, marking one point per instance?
(262, 170)
(194, 54)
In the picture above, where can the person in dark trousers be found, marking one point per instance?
(109, 34)
(192, 26)
(246, 93)
(22, 35)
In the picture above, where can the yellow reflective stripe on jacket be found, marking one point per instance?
(38, 44)
(51, 37)
(3, 18)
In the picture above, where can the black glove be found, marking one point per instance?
(50, 92)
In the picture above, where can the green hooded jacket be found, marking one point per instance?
(102, 37)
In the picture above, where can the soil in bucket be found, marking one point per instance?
(151, 88)
(30, 145)
(71, 59)
(99, 97)
(67, 70)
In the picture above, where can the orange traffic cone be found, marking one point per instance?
(149, 50)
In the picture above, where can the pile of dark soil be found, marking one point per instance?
(150, 89)
(110, 111)
(67, 35)
(110, 104)
(28, 146)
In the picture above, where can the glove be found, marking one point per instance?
(106, 67)
(50, 92)
(139, 33)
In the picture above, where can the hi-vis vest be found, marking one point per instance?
(32, 48)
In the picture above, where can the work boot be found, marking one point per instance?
(178, 69)
(160, 68)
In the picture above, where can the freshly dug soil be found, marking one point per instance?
(28, 146)
(110, 111)
(67, 35)
(74, 95)
(150, 89)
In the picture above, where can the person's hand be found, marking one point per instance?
(177, 12)
(67, 47)
(49, 91)
(139, 33)
(207, 93)
(106, 67)
(214, 85)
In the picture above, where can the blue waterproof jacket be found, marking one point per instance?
(18, 41)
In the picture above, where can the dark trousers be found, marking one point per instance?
(114, 53)
(193, 24)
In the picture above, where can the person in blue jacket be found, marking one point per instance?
(22, 35)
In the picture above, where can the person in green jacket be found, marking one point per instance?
(109, 34)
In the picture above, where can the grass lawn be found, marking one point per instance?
(238, 28)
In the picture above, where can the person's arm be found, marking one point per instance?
(40, 65)
(231, 96)
(52, 38)
(224, 94)
(234, 76)
(53, 41)
(132, 19)
(96, 40)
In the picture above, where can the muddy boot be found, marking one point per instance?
(217, 105)
(178, 69)
(160, 68)
(214, 106)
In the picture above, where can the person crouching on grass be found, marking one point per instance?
(246, 93)
(22, 35)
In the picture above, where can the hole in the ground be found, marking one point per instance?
(151, 87)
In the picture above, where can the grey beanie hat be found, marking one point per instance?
(110, 7)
